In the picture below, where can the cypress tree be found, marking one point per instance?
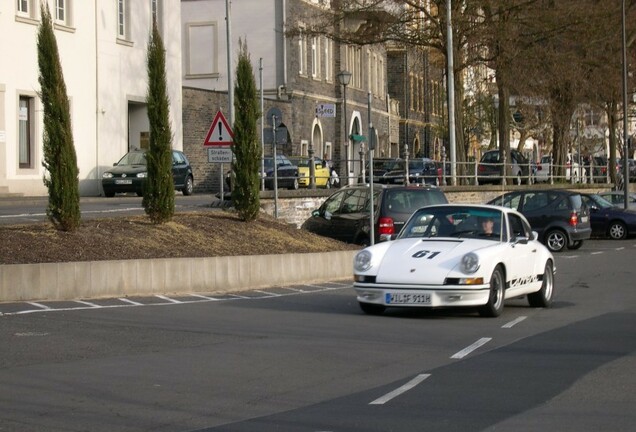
(246, 148)
(158, 196)
(60, 160)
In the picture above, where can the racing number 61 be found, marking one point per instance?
(425, 254)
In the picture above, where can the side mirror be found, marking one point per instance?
(535, 235)
(520, 240)
(315, 213)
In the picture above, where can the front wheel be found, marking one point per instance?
(495, 304)
(188, 187)
(543, 297)
(295, 184)
(371, 308)
(617, 230)
(556, 240)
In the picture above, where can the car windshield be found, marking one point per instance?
(455, 221)
(133, 158)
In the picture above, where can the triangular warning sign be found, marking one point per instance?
(220, 133)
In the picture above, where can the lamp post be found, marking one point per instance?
(625, 135)
(343, 78)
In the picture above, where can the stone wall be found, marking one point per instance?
(295, 209)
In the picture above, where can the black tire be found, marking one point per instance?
(188, 187)
(617, 230)
(556, 240)
(543, 297)
(495, 304)
(576, 244)
(109, 194)
(372, 309)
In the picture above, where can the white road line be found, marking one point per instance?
(168, 299)
(125, 300)
(41, 306)
(267, 293)
(597, 253)
(463, 353)
(88, 303)
(514, 322)
(620, 248)
(204, 297)
(406, 387)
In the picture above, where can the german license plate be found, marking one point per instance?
(408, 298)
(584, 219)
(126, 181)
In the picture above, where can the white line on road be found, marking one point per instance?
(125, 300)
(463, 353)
(597, 253)
(514, 322)
(167, 299)
(406, 387)
(38, 305)
(204, 297)
(88, 303)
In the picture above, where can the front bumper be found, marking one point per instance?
(437, 296)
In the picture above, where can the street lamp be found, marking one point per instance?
(343, 78)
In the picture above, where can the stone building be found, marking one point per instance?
(298, 75)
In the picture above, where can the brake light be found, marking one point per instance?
(574, 219)
(385, 225)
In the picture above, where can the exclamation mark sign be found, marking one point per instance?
(220, 132)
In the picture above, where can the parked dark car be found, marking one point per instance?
(609, 220)
(382, 167)
(560, 217)
(345, 215)
(287, 172)
(490, 167)
(130, 173)
(631, 168)
(421, 170)
(599, 169)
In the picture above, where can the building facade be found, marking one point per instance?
(102, 46)
(298, 74)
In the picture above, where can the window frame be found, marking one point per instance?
(26, 133)
(123, 25)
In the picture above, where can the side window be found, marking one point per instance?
(354, 201)
(332, 205)
(518, 228)
(534, 201)
(511, 201)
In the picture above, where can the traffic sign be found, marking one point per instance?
(220, 133)
(325, 110)
(220, 154)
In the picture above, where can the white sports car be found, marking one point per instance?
(456, 255)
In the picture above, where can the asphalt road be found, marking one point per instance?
(22, 210)
(304, 358)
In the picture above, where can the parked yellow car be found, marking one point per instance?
(322, 173)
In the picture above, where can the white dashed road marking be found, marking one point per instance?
(514, 322)
(463, 353)
(406, 387)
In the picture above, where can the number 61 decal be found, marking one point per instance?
(425, 254)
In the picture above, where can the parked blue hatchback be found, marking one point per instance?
(609, 220)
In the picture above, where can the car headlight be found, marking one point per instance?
(107, 175)
(362, 261)
(470, 263)
(142, 175)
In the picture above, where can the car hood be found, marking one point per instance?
(128, 169)
(426, 261)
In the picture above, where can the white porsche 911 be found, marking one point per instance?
(456, 255)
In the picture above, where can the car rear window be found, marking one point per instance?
(409, 200)
(576, 201)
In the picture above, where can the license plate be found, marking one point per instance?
(126, 181)
(408, 298)
(584, 219)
